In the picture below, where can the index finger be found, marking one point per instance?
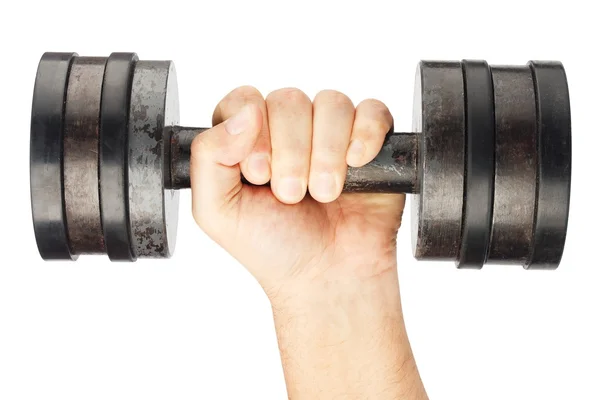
(256, 168)
(372, 123)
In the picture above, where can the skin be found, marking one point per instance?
(326, 260)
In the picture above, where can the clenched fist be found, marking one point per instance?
(301, 227)
(326, 260)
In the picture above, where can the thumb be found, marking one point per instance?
(215, 155)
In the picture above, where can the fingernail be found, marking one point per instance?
(290, 189)
(324, 187)
(240, 122)
(259, 167)
(356, 150)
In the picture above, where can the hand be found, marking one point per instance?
(326, 260)
(281, 234)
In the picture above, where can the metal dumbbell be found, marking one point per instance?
(488, 163)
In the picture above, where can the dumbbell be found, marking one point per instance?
(488, 162)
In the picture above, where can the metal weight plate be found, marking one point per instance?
(114, 128)
(153, 209)
(46, 152)
(479, 164)
(553, 163)
(516, 160)
(439, 115)
(82, 120)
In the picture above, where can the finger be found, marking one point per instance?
(372, 122)
(333, 117)
(214, 171)
(290, 125)
(256, 168)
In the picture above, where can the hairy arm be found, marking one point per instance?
(346, 340)
(337, 313)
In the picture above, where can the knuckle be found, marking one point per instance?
(374, 128)
(373, 104)
(287, 96)
(374, 120)
(377, 110)
(235, 100)
(245, 94)
(333, 98)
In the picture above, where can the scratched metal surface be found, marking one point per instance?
(553, 163)
(153, 209)
(80, 158)
(440, 117)
(45, 156)
(516, 159)
(394, 169)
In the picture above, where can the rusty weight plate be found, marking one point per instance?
(153, 208)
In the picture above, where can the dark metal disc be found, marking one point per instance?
(82, 119)
(153, 209)
(479, 164)
(114, 127)
(46, 152)
(515, 172)
(440, 117)
(554, 164)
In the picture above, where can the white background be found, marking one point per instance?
(198, 326)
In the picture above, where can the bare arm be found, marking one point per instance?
(347, 341)
(326, 260)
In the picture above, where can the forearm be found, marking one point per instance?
(346, 340)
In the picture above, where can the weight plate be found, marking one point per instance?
(114, 126)
(153, 208)
(82, 119)
(479, 164)
(515, 172)
(554, 164)
(46, 152)
(440, 117)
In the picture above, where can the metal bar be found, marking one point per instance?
(394, 169)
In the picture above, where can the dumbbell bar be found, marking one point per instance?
(488, 163)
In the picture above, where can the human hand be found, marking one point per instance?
(326, 260)
(279, 232)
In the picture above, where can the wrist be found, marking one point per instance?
(379, 292)
(348, 329)
(336, 280)
(335, 314)
(344, 306)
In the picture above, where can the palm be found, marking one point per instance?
(312, 233)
